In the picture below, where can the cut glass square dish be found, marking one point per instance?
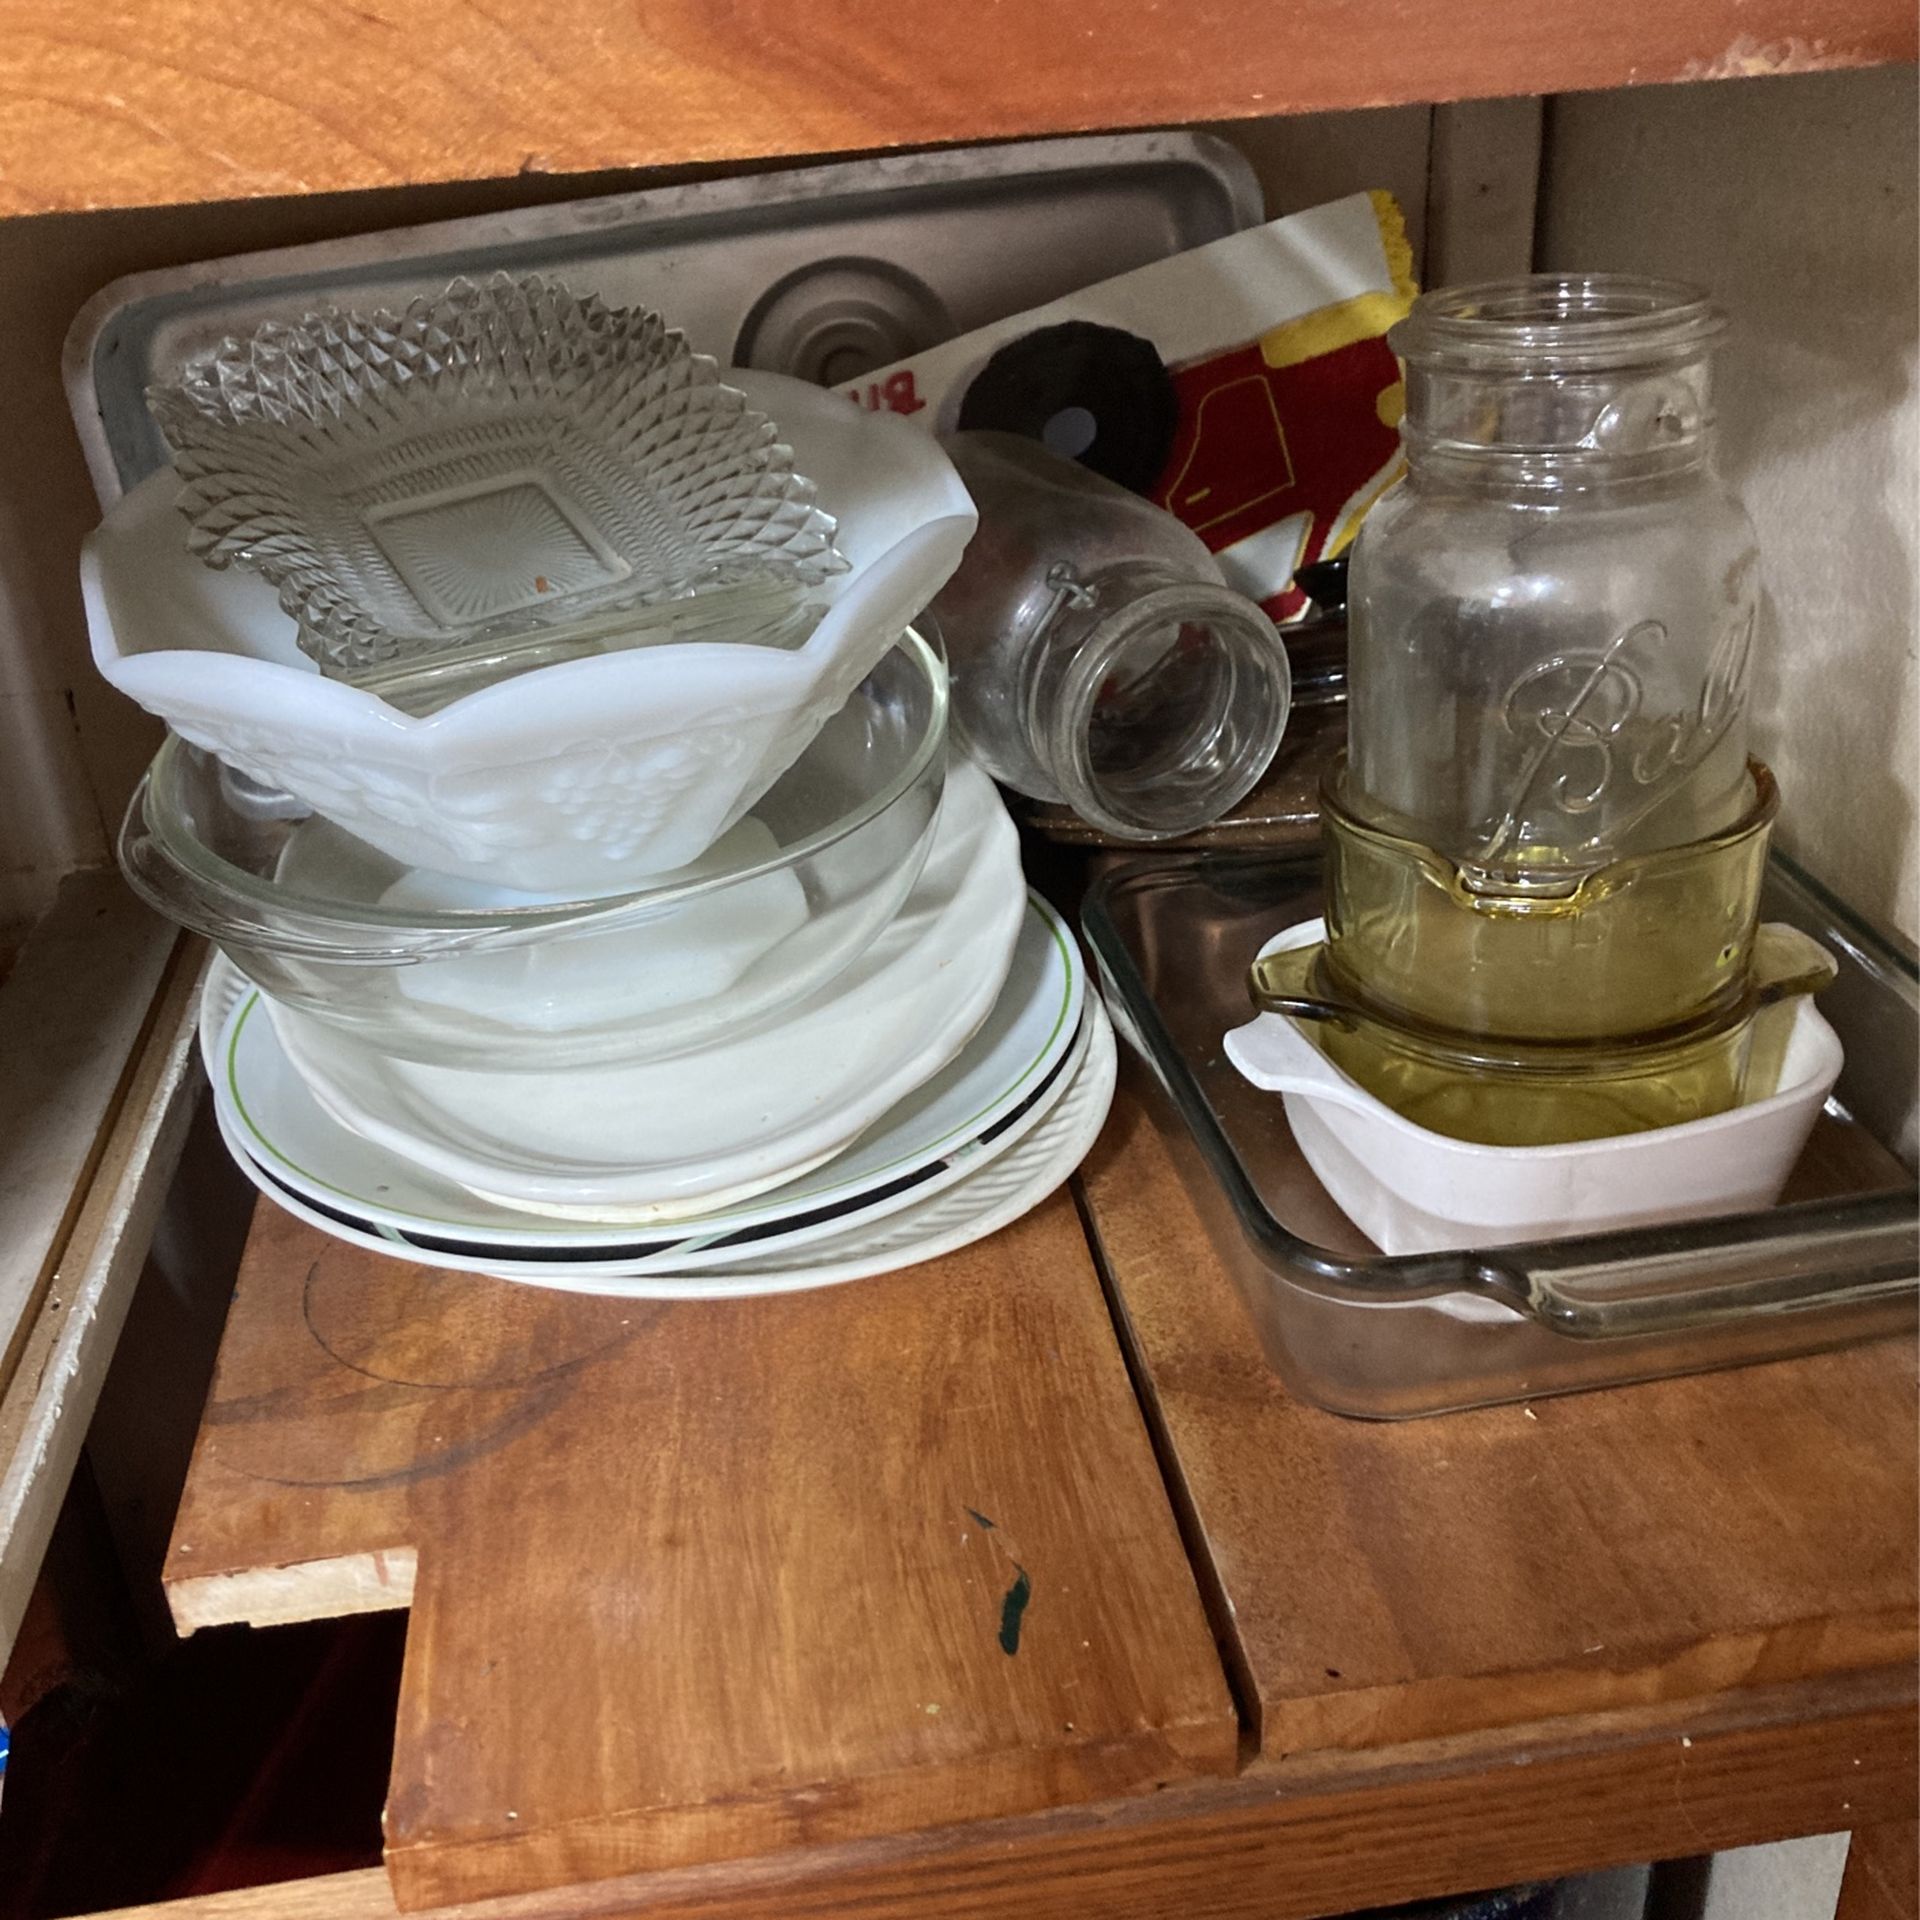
(501, 459)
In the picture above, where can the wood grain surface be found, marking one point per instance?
(72, 1013)
(64, 1344)
(138, 102)
(1377, 1583)
(1882, 1879)
(700, 1581)
(1334, 1832)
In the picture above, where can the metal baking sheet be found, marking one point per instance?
(821, 271)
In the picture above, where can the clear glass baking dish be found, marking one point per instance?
(444, 972)
(1390, 1338)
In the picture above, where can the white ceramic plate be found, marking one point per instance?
(971, 1208)
(562, 1261)
(1003, 1078)
(653, 1141)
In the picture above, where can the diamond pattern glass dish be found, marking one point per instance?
(501, 459)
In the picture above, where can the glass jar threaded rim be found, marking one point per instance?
(1559, 382)
(1560, 323)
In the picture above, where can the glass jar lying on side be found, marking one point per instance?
(1098, 657)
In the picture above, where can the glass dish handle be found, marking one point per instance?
(1829, 1256)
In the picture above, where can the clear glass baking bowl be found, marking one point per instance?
(441, 970)
(1507, 1093)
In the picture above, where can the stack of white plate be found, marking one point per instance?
(929, 1093)
(568, 794)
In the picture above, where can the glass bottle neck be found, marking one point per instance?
(1154, 701)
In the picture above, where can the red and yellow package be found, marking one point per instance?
(1246, 386)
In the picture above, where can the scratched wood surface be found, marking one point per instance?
(1882, 1879)
(696, 1582)
(1385, 1582)
(138, 102)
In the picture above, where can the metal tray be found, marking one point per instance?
(1362, 1334)
(824, 272)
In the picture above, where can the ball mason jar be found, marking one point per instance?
(1552, 615)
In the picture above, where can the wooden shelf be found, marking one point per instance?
(1448, 1818)
(107, 103)
(1377, 1583)
(1444, 1655)
(700, 1581)
(758, 1532)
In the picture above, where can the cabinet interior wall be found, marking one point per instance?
(1793, 197)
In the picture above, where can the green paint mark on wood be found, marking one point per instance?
(1013, 1609)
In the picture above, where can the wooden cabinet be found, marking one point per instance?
(1274, 1664)
(142, 102)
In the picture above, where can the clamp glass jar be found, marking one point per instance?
(1552, 616)
(1097, 656)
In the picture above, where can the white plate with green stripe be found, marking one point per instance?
(1005, 1076)
(988, 1195)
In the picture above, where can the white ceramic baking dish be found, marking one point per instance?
(1411, 1190)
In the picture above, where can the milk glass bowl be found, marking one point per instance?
(448, 972)
(591, 775)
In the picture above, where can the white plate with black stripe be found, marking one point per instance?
(987, 1195)
(1003, 1079)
